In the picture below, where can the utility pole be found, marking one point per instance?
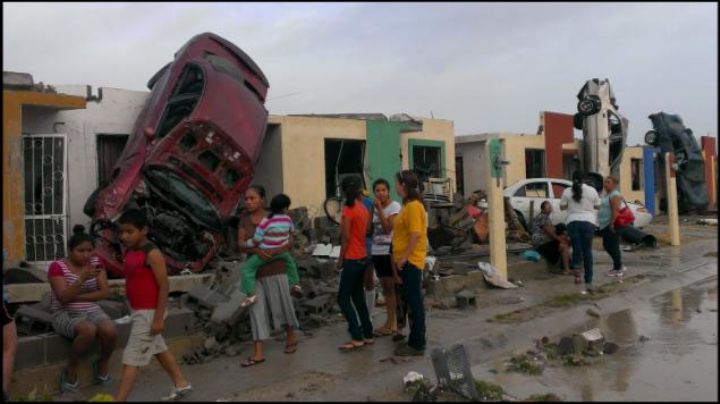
(496, 207)
(672, 200)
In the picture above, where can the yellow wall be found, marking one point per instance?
(13, 190)
(634, 152)
(303, 155)
(433, 129)
(514, 146)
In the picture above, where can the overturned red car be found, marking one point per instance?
(190, 156)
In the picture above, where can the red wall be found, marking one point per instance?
(708, 146)
(558, 129)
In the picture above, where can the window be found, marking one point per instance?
(182, 102)
(459, 177)
(342, 157)
(222, 65)
(188, 141)
(636, 173)
(558, 189)
(571, 163)
(109, 148)
(231, 178)
(533, 190)
(427, 162)
(534, 163)
(209, 160)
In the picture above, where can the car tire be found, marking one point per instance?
(651, 138)
(578, 121)
(589, 105)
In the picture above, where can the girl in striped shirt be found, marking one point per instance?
(272, 233)
(77, 283)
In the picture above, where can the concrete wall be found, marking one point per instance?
(474, 164)
(514, 147)
(115, 113)
(269, 168)
(303, 155)
(631, 152)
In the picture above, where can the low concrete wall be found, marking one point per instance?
(40, 358)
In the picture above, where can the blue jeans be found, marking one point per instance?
(581, 236)
(352, 293)
(412, 294)
(611, 244)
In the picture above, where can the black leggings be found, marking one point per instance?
(611, 244)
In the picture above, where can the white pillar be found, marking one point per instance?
(496, 223)
(672, 200)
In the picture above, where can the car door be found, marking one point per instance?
(557, 188)
(535, 191)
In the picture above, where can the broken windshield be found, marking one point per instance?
(177, 191)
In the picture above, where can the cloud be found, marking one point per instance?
(487, 66)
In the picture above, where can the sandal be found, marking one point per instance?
(291, 348)
(248, 301)
(252, 362)
(349, 346)
(383, 332)
(369, 341)
(97, 377)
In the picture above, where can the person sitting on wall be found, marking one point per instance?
(551, 241)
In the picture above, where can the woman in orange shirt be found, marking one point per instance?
(409, 248)
(353, 258)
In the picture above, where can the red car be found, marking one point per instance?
(190, 156)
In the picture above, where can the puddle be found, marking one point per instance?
(676, 362)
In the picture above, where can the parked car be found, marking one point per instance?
(190, 155)
(538, 190)
(669, 134)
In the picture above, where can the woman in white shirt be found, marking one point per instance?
(385, 210)
(581, 201)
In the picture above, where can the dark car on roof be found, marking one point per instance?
(190, 156)
(670, 135)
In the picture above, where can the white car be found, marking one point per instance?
(551, 189)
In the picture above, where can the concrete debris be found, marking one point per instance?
(592, 312)
(566, 346)
(32, 317)
(465, 298)
(610, 348)
(708, 222)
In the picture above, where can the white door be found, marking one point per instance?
(45, 160)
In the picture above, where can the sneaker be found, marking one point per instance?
(614, 273)
(248, 301)
(406, 350)
(178, 393)
(66, 386)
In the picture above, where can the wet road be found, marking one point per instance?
(678, 362)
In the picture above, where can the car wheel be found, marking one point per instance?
(589, 106)
(651, 138)
(578, 121)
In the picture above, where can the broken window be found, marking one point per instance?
(636, 173)
(534, 163)
(188, 141)
(109, 148)
(45, 196)
(342, 157)
(222, 65)
(427, 162)
(183, 101)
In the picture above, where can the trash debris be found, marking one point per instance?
(708, 222)
(593, 313)
(452, 370)
(492, 277)
(643, 338)
(531, 255)
(412, 377)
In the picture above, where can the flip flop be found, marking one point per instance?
(369, 341)
(383, 332)
(347, 347)
(252, 362)
(291, 348)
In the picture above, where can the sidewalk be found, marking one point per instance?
(318, 371)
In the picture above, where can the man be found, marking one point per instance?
(551, 241)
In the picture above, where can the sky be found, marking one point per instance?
(488, 67)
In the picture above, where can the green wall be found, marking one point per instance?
(383, 151)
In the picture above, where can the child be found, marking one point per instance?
(146, 287)
(273, 232)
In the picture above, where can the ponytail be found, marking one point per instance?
(577, 186)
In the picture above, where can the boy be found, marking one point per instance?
(272, 233)
(146, 287)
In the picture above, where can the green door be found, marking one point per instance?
(383, 151)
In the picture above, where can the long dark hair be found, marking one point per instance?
(351, 187)
(79, 236)
(278, 203)
(380, 181)
(259, 189)
(577, 179)
(409, 180)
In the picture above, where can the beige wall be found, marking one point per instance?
(438, 130)
(303, 155)
(514, 146)
(634, 152)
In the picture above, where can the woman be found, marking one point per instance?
(274, 303)
(609, 211)
(551, 241)
(385, 212)
(353, 261)
(77, 282)
(580, 201)
(409, 247)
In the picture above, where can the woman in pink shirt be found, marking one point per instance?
(77, 283)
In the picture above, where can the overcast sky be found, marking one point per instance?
(489, 67)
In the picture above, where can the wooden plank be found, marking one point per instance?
(32, 292)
